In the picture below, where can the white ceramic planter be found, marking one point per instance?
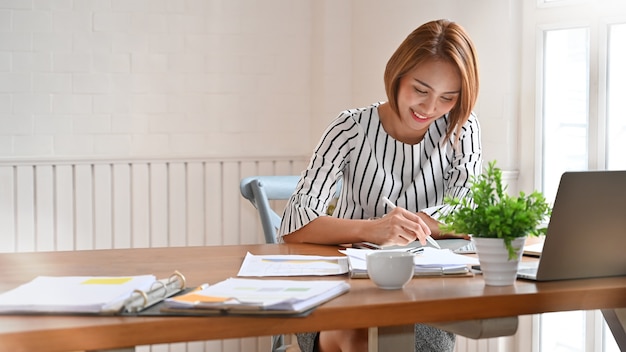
(495, 265)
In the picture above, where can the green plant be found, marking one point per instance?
(489, 211)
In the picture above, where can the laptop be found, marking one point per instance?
(586, 236)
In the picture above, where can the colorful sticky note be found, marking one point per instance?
(106, 281)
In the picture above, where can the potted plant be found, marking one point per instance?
(496, 221)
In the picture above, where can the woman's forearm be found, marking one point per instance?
(329, 230)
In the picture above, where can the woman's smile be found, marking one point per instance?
(419, 116)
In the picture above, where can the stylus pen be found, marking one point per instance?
(428, 238)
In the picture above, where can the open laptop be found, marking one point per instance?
(586, 235)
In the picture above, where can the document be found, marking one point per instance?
(257, 296)
(88, 294)
(293, 265)
(428, 262)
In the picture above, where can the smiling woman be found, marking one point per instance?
(419, 146)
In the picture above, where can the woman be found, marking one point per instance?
(420, 146)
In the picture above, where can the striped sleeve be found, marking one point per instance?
(317, 184)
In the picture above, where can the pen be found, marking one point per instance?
(428, 238)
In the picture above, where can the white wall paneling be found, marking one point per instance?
(78, 205)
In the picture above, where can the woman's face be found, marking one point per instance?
(425, 94)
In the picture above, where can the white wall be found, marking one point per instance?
(136, 78)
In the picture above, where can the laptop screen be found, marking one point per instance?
(586, 235)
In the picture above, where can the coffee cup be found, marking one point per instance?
(390, 270)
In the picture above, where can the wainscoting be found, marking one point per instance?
(59, 205)
(75, 205)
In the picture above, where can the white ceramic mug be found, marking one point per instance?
(390, 270)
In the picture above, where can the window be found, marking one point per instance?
(577, 85)
(566, 104)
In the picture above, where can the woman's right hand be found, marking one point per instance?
(399, 227)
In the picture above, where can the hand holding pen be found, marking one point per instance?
(428, 237)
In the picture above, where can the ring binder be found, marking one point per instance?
(102, 295)
(140, 300)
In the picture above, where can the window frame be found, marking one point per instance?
(540, 16)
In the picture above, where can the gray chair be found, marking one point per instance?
(260, 190)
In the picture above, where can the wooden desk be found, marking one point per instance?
(422, 300)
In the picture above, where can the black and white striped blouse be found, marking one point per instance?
(370, 164)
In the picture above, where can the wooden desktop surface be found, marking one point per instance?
(422, 300)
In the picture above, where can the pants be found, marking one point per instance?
(427, 339)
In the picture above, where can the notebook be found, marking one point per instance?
(256, 296)
(586, 236)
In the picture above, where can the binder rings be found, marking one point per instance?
(101, 295)
(159, 291)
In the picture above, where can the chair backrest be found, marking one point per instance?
(259, 190)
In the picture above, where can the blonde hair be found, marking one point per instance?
(437, 40)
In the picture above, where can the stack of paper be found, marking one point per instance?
(429, 261)
(257, 296)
